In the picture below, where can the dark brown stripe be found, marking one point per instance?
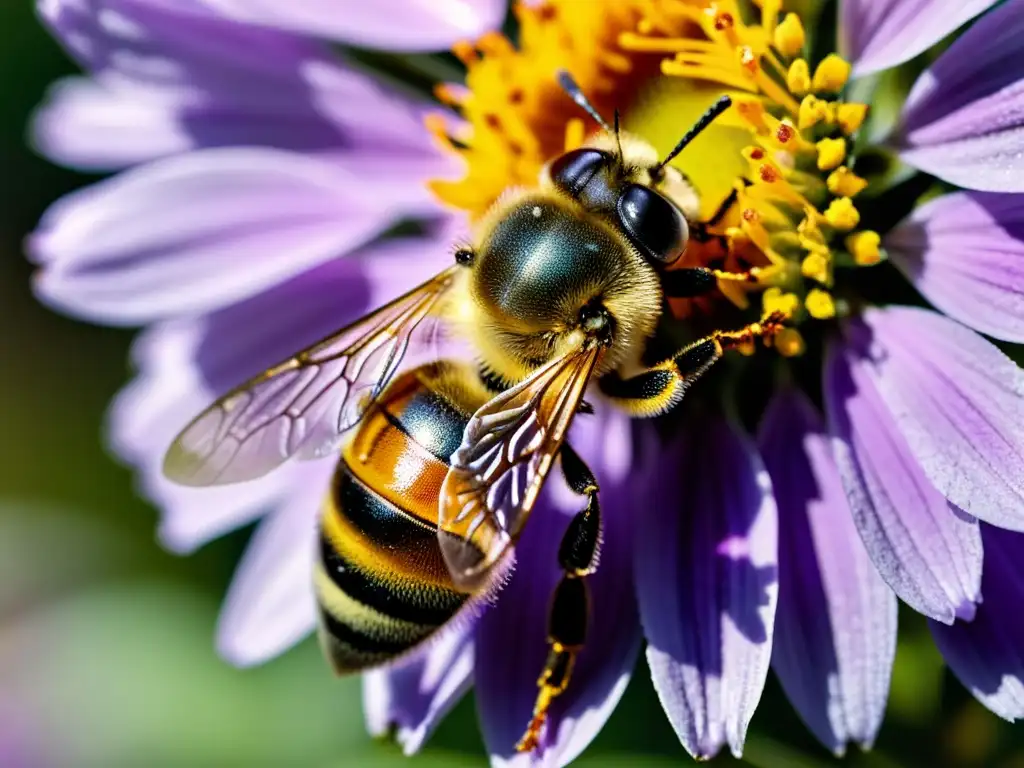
(358, 641)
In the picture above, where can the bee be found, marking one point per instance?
(561, 289)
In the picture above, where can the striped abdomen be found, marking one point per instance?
(381, 582)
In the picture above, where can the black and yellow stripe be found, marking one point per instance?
(381, 581)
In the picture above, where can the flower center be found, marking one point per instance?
(785, 208)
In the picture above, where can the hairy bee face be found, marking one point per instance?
(547, 269)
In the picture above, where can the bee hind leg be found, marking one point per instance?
(569, 612)
(657, 389)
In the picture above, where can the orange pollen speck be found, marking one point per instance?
(768, 174)
(757, 154)
(784, 133)
(750, 215)
(723, 21)
(748, 58)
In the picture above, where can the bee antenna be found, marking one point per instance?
(572, 88)
(703, 122)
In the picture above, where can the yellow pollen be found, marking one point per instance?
(775, 300)
(815, 267)
(831, 152)
(748, 59)
(843, 182)
(820, 305)
(798, 78)
(789, 342)
(831, 75)
(851, 116)
(812, 111)
(789, 36)
(865, 247)
(842, 215)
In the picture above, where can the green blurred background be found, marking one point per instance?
(106, 652)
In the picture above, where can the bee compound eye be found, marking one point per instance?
(572, 171)
(654, 225)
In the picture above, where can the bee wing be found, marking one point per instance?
(303, 405)
(506, 452)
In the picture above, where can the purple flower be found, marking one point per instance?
(261, 177)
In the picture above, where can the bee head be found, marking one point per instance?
(621, 178)
(629, 195)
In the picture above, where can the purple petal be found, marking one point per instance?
(959, 403)
(964, 118)
(197, 231)
(147, 415)
(270, 605)
(927, 550)
(965, 253)
(835, 630)
(169, 79)
(415, 695)
(707, 580)
(406, 25)
(878, 34)
(511, 646)
(987, 654)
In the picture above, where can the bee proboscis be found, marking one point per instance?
(561, 289)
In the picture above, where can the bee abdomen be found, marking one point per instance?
(381, 581)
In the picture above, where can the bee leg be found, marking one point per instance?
(569, 612)
(688, 282)
(660, 387)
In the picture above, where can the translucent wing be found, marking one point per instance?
(303, 405)
(506, 452)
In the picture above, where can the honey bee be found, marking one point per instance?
(562, 288)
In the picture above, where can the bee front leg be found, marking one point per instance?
(569, 613)
(660, 387)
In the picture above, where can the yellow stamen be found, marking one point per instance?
(843, 182)
(775, 300)
(820, 305)
(789, 36)
(812, 111)
(851, 116)
(798, 78)
(842, 215)
(831, 74)
(865, 247)
(815, 267)
(789, 342)
(831, 152)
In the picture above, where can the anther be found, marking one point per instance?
(842, 215)
(831, 75)
(831, 152)
(843, 182)
(784, 133)
(789, 36)
(768, 174)
(820, 305)
(851, 116)
(865, 247)
(723, 21)
(798, 78)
